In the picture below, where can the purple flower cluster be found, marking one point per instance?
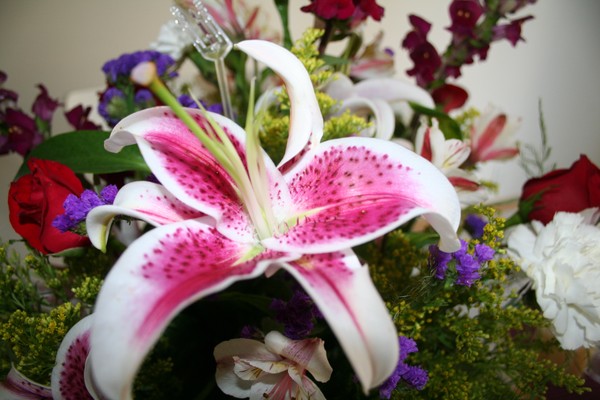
(297, 315)
(414, 376)
(77, 208)
(120, 68)
(122, 97)
(467, 265)
(474, 224)
(474, 26)
(20, 132)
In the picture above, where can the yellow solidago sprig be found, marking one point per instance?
(32, 340)
(462, 332)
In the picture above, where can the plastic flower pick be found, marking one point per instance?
(224, 212)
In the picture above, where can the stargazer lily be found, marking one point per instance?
(231, 215)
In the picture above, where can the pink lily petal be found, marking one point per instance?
(184, 166)
(18, 387)
(68, 376)
(157, 276)
(306, 121)
(146, 201)
(352, 190)
(347, 298)
(193, 175)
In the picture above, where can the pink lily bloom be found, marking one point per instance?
(492, 137)
(225, 213)
(276, 369)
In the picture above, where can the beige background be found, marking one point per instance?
(63, 44)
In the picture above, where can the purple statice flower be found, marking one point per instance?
(297, 315)
(467, 268)
(467, 265)
(187, 101)
(414, 376)
(120, 68)
(77, 208)
(144, 98)
(111, 101)
(439, 260)
(474, 224)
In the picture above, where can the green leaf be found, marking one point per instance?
(83, 152)
(448, 126)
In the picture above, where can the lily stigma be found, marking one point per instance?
(224, 212)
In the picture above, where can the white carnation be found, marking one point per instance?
(563, 261)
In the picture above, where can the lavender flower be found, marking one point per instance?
(474, 224)
(414, 376)
(467, 265)
(77, 208)
(297, 315)
(120, 68)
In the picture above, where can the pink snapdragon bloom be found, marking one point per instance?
(224, 213)
(493, 137)
(276, 369)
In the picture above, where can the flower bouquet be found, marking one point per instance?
(292, 223)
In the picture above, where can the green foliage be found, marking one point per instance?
(83, 152)
(476, 342)
(38, 304)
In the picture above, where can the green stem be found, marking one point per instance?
(283, 9)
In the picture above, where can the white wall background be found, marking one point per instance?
(63, 44)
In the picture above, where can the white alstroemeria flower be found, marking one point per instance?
(492, 136)
(563, 261)
(449, 155)
(275, 369)
(225, 213)
(376, 96)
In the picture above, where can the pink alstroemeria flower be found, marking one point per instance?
(275, 369)
(493, 137)
(226, 213)
(449, 155)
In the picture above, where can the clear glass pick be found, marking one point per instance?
(210, 41)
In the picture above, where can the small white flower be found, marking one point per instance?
(563, 261)
(275, 369)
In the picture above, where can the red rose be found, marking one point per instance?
(34, 200)
(569, 190)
